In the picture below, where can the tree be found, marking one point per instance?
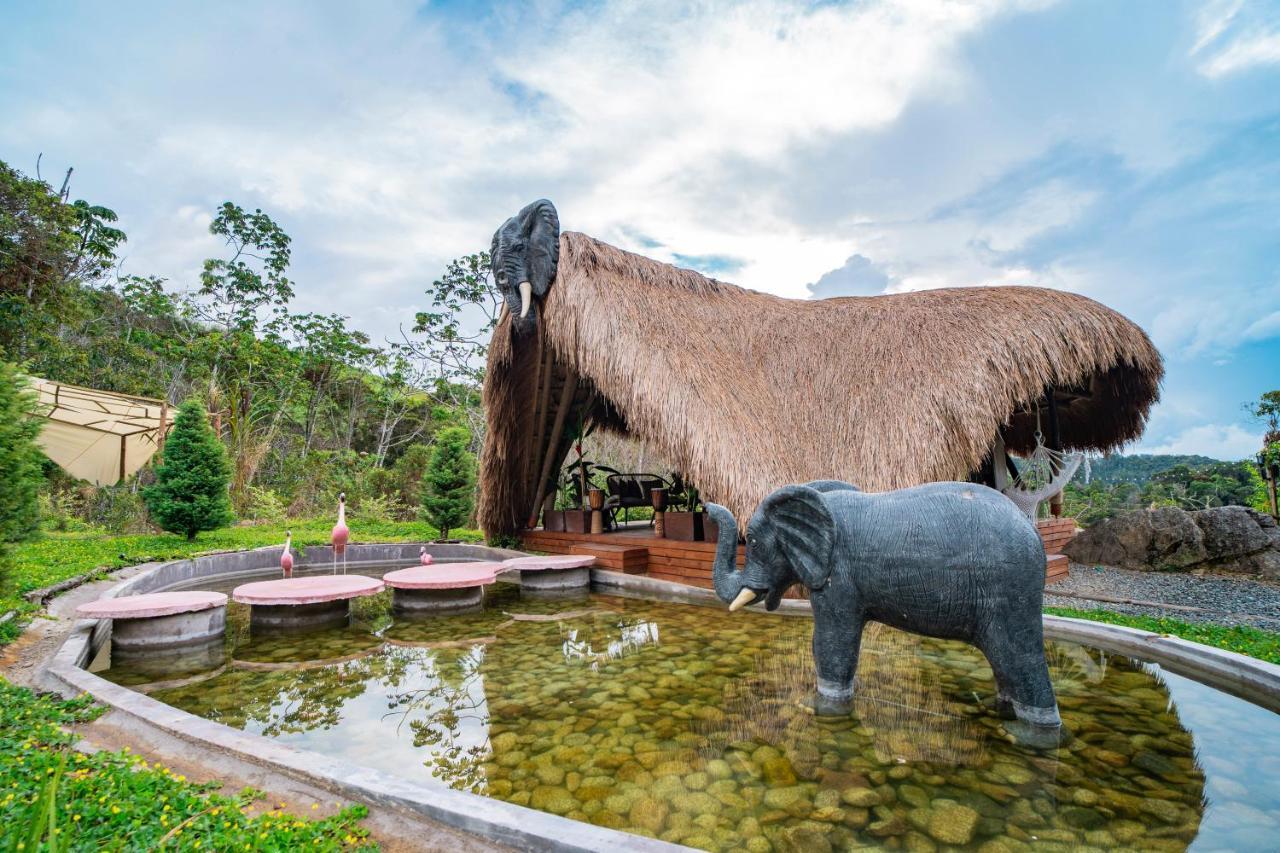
(20, 457)
(190, 492)
(450, 481)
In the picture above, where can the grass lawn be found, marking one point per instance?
(1254, 642)
(58, 556)
(51, 792)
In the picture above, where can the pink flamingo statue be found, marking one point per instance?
(286, 559)
(423, 557)
(340, 535)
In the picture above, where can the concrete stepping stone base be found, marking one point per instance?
(441, 588)
(161, 623)
(303, 603)
(553, 572)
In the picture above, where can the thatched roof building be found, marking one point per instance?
(747, 391)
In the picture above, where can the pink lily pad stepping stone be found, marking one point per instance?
(315, 589)
(151, 605)
(292, 604)
(446, 576)
(441, 588)
(161, 622)
(553, 572)
(549, 562)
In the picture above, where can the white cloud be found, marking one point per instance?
(1231, 41)
(1050, 205)
(1218, 441)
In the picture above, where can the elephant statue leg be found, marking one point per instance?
(1024, 694)
(835, 654)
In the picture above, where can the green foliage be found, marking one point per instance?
(190, 492)
(409, 472)
(1254, 642)
(20, 458)
(54, 794)
(1164, 481)
(449, 485)
(1137, 468)
(265, 506)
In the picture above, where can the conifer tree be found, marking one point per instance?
(20, 457)
(190, 492)
(450, 481)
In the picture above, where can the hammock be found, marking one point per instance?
(1043, 474)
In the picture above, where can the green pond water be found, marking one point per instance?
(684, 723)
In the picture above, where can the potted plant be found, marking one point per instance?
(683, 519)
(577, 480)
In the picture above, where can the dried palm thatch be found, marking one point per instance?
(746, 391)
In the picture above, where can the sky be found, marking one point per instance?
(1128, 151)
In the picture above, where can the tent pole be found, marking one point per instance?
(164, 417)
(123, 440)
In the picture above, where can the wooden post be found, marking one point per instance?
(122, 460)
(1271, 488)
(1055, 443)
(566, 400)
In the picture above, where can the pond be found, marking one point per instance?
(684, 723)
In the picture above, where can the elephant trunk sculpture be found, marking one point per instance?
(950, 560)
(727, 580)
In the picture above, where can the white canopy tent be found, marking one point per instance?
(99, 436)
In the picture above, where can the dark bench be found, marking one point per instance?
(624, 491)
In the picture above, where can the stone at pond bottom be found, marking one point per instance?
(555, 800)
(864, 798)
(648, 813)
(804, 840)
(952, 823)
(778, 772)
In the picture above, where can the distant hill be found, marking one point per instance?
(1138, 468)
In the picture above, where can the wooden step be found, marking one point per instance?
(632, 559)
(1057, 569)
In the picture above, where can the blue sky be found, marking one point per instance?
(1128, 151)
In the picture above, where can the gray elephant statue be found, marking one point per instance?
(952, 560)
(524, 256)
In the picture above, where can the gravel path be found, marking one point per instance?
(1220, 599)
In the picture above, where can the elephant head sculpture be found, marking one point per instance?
(525, 252)
(950, 560)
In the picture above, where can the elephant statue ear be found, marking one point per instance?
(541, 224)
(805, 531)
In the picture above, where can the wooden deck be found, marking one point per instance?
(635, 550)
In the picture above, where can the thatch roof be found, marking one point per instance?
(747, 391)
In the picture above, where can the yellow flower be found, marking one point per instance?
(315, 805)
(75, 817)
(115, 810)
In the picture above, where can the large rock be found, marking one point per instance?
(1224, 539)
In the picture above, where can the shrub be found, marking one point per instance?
(448, 486)
(116, 509)
(266, 506)
(409, 472)
(20, 458)
(190, 492)
(379, 508)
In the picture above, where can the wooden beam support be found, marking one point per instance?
(566, 402)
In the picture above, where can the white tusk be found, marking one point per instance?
(526, 297)
(744, 598)
(502, 314)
